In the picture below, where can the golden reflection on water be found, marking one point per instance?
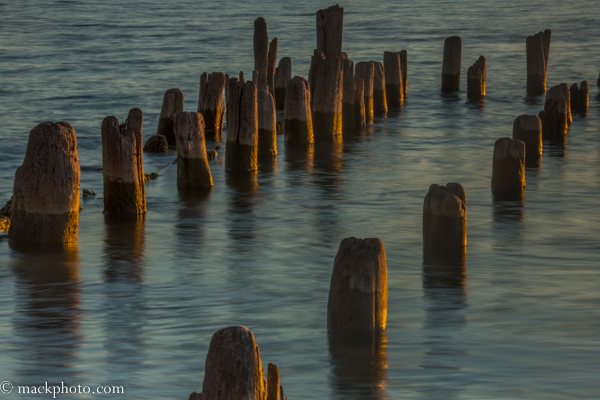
(124, 249)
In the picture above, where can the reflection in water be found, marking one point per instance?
(46, 320)
(124, 300)
(327, 181)
(358, 365)
(298, 161)
(556, 149)
(190, 219)
(535, 100)
(478, 104)
(445, 294)
(507, 223)
(241, 213)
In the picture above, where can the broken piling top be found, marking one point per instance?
(476, 76)
(123, 165)
(528, 129)
(192, 162)
(451, 64)
(242, 125)
(394, 90)
(261, 52)
(330, 24)
(210, 103)
(171, 106)
(233, 369)
(445, 223)
(508, 169)
(358, 292)
(45, 206)
(538, 51)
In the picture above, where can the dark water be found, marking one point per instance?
(135, 304)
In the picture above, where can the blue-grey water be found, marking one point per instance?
(136, 304)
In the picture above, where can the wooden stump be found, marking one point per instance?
(283, 74)
(567, 95)
(45, 207)
(379, 96)
(233, 369)
(580, 97)
(330, 24)
(267, 122)
(123, 165)
(359, 105)
(261, 52)
(392, 65)
(241, 78)
(359, 291)
(298, 118)
(210, 103)
(476, 76)
(445, 223)
(508, 169)
(555, 115)
(348, 97)
(528, 129)
(327, 100)
(272, 64)
(404, 65)
(242, 123)
(157, 144)
(451, 64)
(366, 71)
(273, 387)
(171, 106)
(192, 162)
(538, 51)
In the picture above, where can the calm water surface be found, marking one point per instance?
(135, 304)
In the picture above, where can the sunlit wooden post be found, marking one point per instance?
(123, 165)
(330, 24)
(528, 129)
(327, 101)
(359, 104)
(476, 76)
(271, 65)
(508, 169)
(580, 97)
(538, 51)
(210, 103)
(379, 96)
(451, 64)
(298, 118)
(348, 111)
(193, 171)
(242, 123)
(366, 71)
(393, 79)
(171, 106)
(45, 206)
(261, 53)
(404, 65)
(445, 223)
(358, 292)
(555, 115)
(273, 387)
(267, 122)
(283, 74)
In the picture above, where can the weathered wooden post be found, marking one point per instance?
(567, 95)
(193, 171)
(210, 103)
(242, 124)
(273, 387)
(393, 79)
(366, 71)
(171, 106)
(538, 51)
(123, 165)
(445, 223)
(330, 24)
(580, 97)
(404, 65)
(555, 115)
(298, 118)
(157, 144)
(327, 101)
(528, 129)
(349, 93)
(267, 122)
(45, 206)
(261, 53)
(359, 104)
(283, 74)
(271, 65)
(476, 79)
(359, 291)
(451, 64)
(233, 369)
(508, 169)
(379, 96)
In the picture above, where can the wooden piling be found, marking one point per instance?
(298, 117)
(271, 65)
(327, 100)
(241, 78)
(451, 64)
(330, 24)
(261, 52)
(348, 97)
(267, 122)
(528, 129)
(45, 206)
(171, 106)
(273, 387)
(580, 97)
(283, 73)
(476, 76)
(404, 65)
(555, 115)
(508, 169)
(394, 91)
(242, 124)
(193, 171)
(210, 103)
(538, 51)
(123, 165)
(157, 144)
(358, 292)
(366, 71)
(379, 96)
(567, 95)
(359, 105)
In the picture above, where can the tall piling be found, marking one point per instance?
(123, 165)
(327, 100)
(538, 50)
(261, 53)
(271, 66)
(283, 73)
(404, 65)
(210, 103)
(379, 97)
(508, 169)
(267, 122)
(528, 129)
(45, 202)
(366, 71)
(193, 171)
(359, 105)
(348, 97)
(555, 115)
(171, 106)
(476, 76)
(273, 386)
(298, 117)
(451, 64)
(394, 91)
(580, 97)
(358, 292)
(330, 24)
(242, 124)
